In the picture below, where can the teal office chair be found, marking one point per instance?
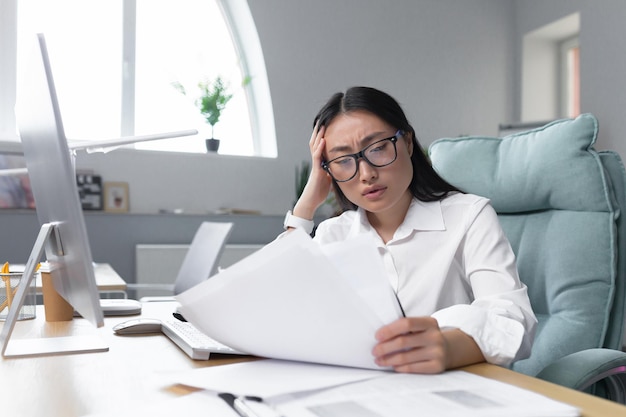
(561, 204)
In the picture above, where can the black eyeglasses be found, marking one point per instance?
(378, 154)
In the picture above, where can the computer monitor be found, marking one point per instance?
(63, 233)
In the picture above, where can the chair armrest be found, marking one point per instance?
(582, 369)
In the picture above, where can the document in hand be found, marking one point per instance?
(297, 300)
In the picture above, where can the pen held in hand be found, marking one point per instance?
(399, 304)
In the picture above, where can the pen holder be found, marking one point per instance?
(8, 290)
(55, 306)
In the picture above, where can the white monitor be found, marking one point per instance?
(63, 232)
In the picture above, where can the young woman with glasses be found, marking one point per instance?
(444, 251)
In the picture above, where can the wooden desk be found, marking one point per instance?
(75, 385)
(107, 279)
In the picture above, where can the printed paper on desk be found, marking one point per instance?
(187, 405)
(271, 377)
(449, 394)
(288, 301)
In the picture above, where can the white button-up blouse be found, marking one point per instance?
(450, 259)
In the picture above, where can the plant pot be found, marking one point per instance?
(212, 145)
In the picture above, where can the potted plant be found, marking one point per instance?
(214, 95)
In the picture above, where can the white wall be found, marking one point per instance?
(603, 58)
(539, 97)
(449, 62)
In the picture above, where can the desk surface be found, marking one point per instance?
(106, 279)
(75, 385)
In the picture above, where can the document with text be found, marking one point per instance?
(296, 389)
(450, 394)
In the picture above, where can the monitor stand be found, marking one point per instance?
(47, 345)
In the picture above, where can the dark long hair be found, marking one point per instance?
(426, 184)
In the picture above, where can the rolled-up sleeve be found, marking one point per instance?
(500, 318)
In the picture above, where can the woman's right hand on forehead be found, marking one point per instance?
(318, 185)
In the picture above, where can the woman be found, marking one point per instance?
(444, 251)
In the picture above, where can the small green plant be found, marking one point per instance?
(214, 96)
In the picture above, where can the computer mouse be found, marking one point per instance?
(138, 326)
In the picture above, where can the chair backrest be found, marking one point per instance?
(201, 260)
(559, 204)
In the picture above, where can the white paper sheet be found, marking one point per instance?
(451, 394)
(199, 403)
(271, 377)
(357, 261)
(289, 301)
(312, 390)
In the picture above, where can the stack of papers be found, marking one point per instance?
(297, 300)
(311, 390)
(453, 394)
(272, 378)
(292, 389)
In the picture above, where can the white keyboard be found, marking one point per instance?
(192, 341)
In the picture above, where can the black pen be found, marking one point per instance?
(249, 406)
(399, 304)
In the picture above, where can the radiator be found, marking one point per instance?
(156, 266)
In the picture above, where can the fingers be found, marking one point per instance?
(316, 145)
(405, 325)
(318, 185)
(318, 133)
(411, 345)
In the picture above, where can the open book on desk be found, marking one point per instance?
(295, 299)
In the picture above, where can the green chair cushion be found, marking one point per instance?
(556, 206)
(528, 171)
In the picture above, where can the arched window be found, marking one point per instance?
(115, 64)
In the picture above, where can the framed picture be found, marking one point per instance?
(116, 197)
